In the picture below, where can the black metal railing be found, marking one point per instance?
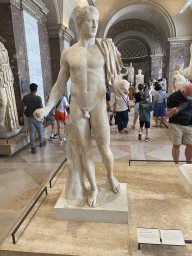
(57, 171)
(26, 214)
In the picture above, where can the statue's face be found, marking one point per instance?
(90, 25)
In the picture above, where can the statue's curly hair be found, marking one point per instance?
(80, 16)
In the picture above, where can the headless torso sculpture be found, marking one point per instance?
(139, 79)
(178, 79)
(88, 104)
(9, 123)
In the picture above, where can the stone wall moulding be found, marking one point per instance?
(59, 30)
(111, 17)
(36, 8)
(180, 41)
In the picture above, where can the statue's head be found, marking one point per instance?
(177, 67)
(123, 85)
(131, 64)
(139, 71)
(89, 13)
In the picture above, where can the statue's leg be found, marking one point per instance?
(101, 130)
(75, 186)
(82, 135)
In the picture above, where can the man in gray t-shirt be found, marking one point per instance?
(32, 102)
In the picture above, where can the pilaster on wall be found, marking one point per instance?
(59, 38)
(179, 50)
(35, 8)
(13, 36)
(157, 66)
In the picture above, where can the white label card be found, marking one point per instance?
(172, 237)
(148, 236)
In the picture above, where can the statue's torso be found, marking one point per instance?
(87, 72)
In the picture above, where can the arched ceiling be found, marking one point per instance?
(137, 28)
(147, 11)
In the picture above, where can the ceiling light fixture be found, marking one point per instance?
(185, 7)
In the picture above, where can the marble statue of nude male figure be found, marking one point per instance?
(84, 63)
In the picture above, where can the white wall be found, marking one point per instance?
(33, 53)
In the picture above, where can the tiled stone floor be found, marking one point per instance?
(21, 176)
(156, 199)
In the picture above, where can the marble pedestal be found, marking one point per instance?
(110, 207)
(185, 176)
(12, 145)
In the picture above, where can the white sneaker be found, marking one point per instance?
(62, 141)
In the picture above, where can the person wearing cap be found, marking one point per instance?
(32, 102)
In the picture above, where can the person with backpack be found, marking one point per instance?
(122, 107)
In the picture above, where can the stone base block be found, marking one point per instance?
(110, 207)
(185, 176)
(9, 147)
(12, 145)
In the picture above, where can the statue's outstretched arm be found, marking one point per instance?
(58, 89)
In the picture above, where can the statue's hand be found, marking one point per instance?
(116, 90)
(39, 114)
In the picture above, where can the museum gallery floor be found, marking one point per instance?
(156, 199)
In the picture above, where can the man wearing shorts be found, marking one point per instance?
(61, 115)
(179, 111)
(145, 107)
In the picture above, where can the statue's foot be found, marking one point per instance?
(114, 184)
(92, 197)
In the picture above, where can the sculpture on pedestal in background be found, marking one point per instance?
(177, 81)
(131, 73)
(180, 78)
(9, 123)
(92, 65)
(139, 79)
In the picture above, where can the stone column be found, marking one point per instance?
(59, 38)
(17, 16)
(179, 52)
(157, 66)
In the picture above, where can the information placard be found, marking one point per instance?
(148, 236)
(172, 237)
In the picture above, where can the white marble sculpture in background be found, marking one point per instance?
(139, 79)
(180, 78)
(92, 65)
(177, 81)
(9, 123)
(131, 73)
